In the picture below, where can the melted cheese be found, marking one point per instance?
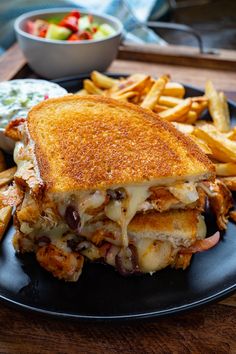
(207, 189)
(123, 211)
(88, 200)
(185, 192)
(23, 164)
(91, 200)
(201, 228)
(82, 201)
(153, 255)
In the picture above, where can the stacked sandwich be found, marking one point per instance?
(104, 180)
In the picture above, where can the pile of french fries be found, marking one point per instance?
(215, 137)
(6, 177)
(161, 96)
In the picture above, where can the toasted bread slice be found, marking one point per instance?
(90, 143)
(179, 227)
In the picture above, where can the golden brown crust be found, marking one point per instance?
(90, 142)
(171, 221)
(13, 130)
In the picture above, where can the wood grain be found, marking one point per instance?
(193, 76)
(208, 330)
(11, 62)
(167, 57)
(230, 301)
(179, 55)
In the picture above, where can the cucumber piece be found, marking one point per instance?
(84, 23)
(99, 35)
(55, 19)
(106, 29)
(57, 32)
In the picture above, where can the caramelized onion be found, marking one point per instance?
(202, 245)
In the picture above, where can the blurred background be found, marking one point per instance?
(215, 20)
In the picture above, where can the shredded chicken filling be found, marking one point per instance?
(60, 219)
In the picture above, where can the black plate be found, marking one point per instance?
(102, 294)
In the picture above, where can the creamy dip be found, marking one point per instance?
(18, 96)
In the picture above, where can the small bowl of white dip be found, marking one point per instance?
(17, 97)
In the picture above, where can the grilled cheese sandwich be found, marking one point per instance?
(93, 163)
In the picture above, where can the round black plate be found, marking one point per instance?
(102, 294)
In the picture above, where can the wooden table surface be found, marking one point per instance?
(211, 329)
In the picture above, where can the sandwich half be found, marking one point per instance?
(105, 180)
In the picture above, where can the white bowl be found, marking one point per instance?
(17, 109)
(55, 58)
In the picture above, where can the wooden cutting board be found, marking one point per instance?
(154, 60)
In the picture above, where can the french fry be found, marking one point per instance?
(82, 92)
(225, 169)
(169, 101)
(5, 217)
(201, 144)
(7, 176)
(135, 77)
(147, 88)
(203, 106)
(183, 128)
(134, 99)
(159, 108)
(127, 95)
(91, 88)
(225, 108)
(102, 81)
(2, 162)
(191, 117)
(200, 99)
(217, 108)
(154, 94)
(133, 86)
(175, 113)
(196, 106)
(230, 182)
(174, 89)
(231, 134)
(222, 148)
(199, 106)
(188, 130)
